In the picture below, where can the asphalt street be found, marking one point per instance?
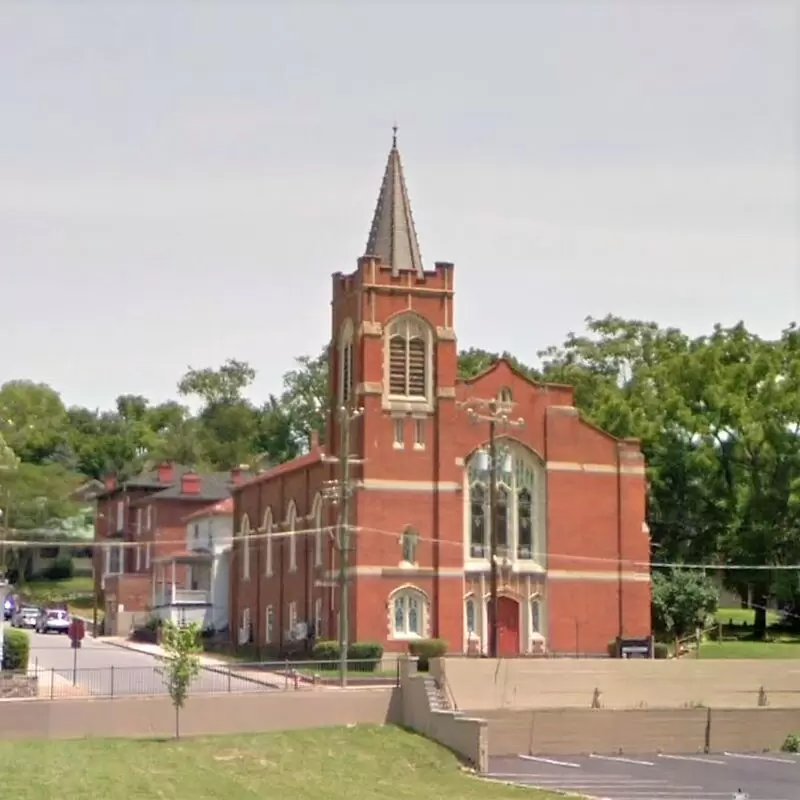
(105, 670)
(697, 776)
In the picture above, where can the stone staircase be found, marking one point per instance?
(437, 700)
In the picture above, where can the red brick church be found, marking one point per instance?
(573, 548)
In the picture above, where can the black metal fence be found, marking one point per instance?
(150, 680)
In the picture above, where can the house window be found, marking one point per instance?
(408, 614)
(292, 616)
(515, 511)
(292, 519)
(409, 542)
(419, 434)
(318, 618)
(399, 427)
(149, 518)
(268, 541)
(469, 615)
(318, 531)
(138, 521)
(245, 534)
(536, 622)
(346, 363)
(505, 395)
(246, 631)
(408, 346)
(138, 557)
(147, 556)
(196, 531)
(115, 560)
(120, 515)
(269, 623)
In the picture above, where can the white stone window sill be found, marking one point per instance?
(419, 447)
(406, 637)
(399, 446)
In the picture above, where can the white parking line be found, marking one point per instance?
(551, 761)
(623, 760)
(761, 758)
(700, 759)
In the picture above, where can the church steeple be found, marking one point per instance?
(392, 237)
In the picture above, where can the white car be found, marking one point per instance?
(25, 617)
(53, 620)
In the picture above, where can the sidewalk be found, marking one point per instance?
(206, 662)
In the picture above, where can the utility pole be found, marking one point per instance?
(339, 492)
(497, 413)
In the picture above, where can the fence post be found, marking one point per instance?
(52, 682)
(230, 681)
(111, 684)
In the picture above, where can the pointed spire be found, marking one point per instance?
(392, 237)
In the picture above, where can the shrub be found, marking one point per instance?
(660, 650)
(425, 650)
(791, 744)
(363, 656)
(61, 569)
(16, 649)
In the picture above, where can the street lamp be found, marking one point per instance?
(495, 460)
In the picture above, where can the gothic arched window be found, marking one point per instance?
(408, 358)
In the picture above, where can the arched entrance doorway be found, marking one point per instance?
(507, 626)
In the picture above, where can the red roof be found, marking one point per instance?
(221, 508)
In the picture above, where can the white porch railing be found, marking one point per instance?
(200, 615)
(190, 596)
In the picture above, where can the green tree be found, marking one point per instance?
(33, 419)
(474, 361)
(682, 600)
(227, 422)
(305, 400)
(181, 665)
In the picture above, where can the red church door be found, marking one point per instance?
(507, 627)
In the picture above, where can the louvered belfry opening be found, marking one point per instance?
(397, 365)
(408, 359)
(416, 367)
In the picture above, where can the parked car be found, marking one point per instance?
(53, 620)
(25, 617)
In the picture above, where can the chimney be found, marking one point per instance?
(236, 476)
(190, 483)
(313, 442)
(110, 481)
(166, 472)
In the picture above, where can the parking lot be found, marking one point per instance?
(761, 776)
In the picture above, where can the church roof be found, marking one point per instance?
(392, 237)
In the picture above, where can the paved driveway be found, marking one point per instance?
(763, 776)
(104, 670)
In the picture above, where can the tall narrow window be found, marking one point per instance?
(469, 615)
(269, 624)
(399, 430)
(524, 525)
(346, 363)
(501, 521)
(419, 434)
(408, 356)
(318, 531)
(536, 622)
(268, 542)
(292, 538)
(245, 535)
(477, 541)
(318, 618)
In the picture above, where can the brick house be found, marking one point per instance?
(574, 556)
(141, 522)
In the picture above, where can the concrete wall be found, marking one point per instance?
(608, 731)
(464, 735)
(484, 684)
(203, 715)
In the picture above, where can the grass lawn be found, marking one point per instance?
(742, 616)
(750, 649)
(335, 763)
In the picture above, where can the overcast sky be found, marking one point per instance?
(178, 181)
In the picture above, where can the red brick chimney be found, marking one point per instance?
(236, 476)
(166, 472)
(110, 481)
(190, 483)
